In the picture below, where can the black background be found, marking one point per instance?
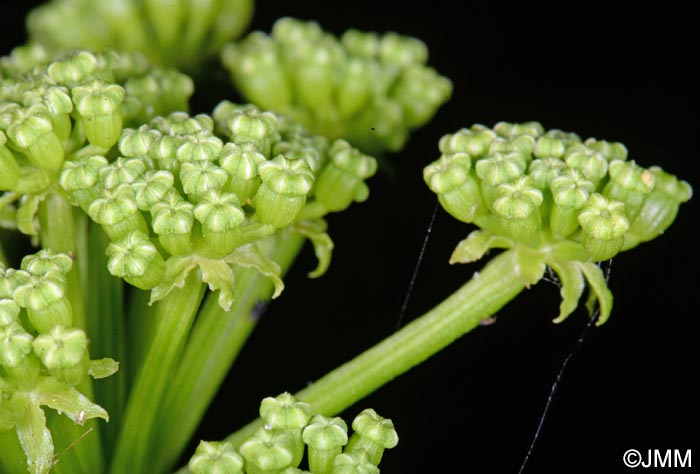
(615, 74)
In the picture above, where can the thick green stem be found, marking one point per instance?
(217, 338)
(173, 319)
(12, 458)
(106, 333)
(65, 445)
(486, 293)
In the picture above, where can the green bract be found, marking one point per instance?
(367, 88)
(554, 200)
(177, 33)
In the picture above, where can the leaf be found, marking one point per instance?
(65, 399)
(29, 205)
(34, 436)
(102, 368)
(599, 287)
(475, 246)
(572, 285)
(177, 269)
(529, 265)
(219, 276)
(323, 245)
(249, 256)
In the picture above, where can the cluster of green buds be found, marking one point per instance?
(558, 201)
(200, 192)
(169, 32)
(290, 430)
(42, 357)
(56, 109)
(367, 88)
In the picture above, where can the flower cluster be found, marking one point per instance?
(367, 88)
(43, 358)
(559, 201)
(172, 32)
(289, 430)
(178, 197)
(59, 109)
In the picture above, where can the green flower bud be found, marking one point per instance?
(117, 212)
(512, 130)
(73, 69)
(457, 190)
(201, 177)
(402, 50)
(172, 220)
(15, 344)
(302, 148)
(570, 191)
(135, 259)
(241, 164)
(356, 462)
(45, 261)
(519, 204)
(420, 91)
(313, 74)
(589, 162)
(524, 144)
(372, 434)
(498, 168)
(33, 181)
(44, 298)
(220, 215)
(354, 90)
(549, 146)
(31, 130)
(164, 151)
(9, 169)
(630, 184)
(200, 146)
(360, 43)
(80, 178)
(475, 141)
(180, 123)
(342, 180)
(604, 223)
(258, 72)
(251, 126)
(122, 171)
(325, 438)
(100, 106)
(610, 150)
(660, 207)
(152, 188)
(216, 458)
(266, 452)
(137, 142)
(542, 171)
(63, 351)
(282, 194)
(9, 312)
(286, 414)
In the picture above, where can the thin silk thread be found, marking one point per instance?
(421, 254)
(557, 380)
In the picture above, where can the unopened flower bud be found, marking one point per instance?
(372, 434)
(100, 106)
(604, 223)
(63, 351)
(216, 457)
(135, 259)
(325, 438)
(342, 180)
(282, 194)
(458, 192)
(220, 215)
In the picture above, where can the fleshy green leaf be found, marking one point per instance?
(572, 285)
(219, 276)
(33, 434)
(599, 288)
(250, 256)
(475, 246)
(102, 368)
(67, 400)
(176, 271)
(323, 245)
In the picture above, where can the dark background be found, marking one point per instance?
(620, 75)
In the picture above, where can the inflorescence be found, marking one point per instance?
(367, 88)
(558, 201)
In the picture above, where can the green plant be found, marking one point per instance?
(202, 212)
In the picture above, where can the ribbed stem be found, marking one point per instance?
(12, 458)
(173, 318)
(106, 334)
(216, 340)
(486, 293)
